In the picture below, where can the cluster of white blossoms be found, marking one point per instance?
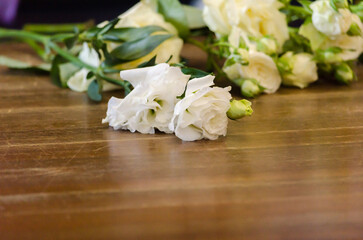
(331, 27)
(167, 100)
(263, 44)
(257, 32)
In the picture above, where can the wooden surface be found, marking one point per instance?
(292, 171)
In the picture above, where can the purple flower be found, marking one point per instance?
(8, 9)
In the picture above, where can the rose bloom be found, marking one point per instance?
(203, 111)
(261, 67)
(328, 21)
(151, 104)
(303, 70)
(352, 46)
(256, 18)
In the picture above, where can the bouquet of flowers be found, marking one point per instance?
(258, 45)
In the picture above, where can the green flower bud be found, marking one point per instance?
(344, 73)
(240, 109)
(267, 45)
(354, 30)
(250, 88)
(284, 63)
(329, 56)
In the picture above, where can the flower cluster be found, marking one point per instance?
(257, 44)
(156, 104)
(262, 51)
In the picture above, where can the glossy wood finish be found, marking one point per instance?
(292, 171)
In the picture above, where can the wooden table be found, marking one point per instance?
(292, 171)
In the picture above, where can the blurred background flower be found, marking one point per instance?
(8, 11)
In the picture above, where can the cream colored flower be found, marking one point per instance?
(79, 82)
(151, 104)
(303, 70)
(352, 46)
(261, 67)
(256, 18)
(328, 21)
(203, 111)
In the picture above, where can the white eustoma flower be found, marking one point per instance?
(151, 104)
(261, 67)
(352, 46)
(142, 15)
(328, 21)
(303, 70)
(203, 111)
(256, 18)
(79, 82)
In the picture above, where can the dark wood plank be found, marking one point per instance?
(294, 170)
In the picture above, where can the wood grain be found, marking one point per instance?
(294, 170)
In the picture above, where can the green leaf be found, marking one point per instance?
(16, 64)
(296, 43)
(94, 91)
(130, 51)
(91, 33)
(149, 63)
(109, 26)
(130, 34)
(55, 71)
(173, 12)
(194, 73)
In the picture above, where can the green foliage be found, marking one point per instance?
(296, 43)
(130, 51)
(130, 34)
(149, 63)
(173, 12)
(94, 91)
(194, 73)
(55, 71)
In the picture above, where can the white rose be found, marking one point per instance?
(142, 15)
(261, 67)
(203, 111)
(328, 21)
(79, 82)
(352, 46)
(151, 104)
(303, 70)
(256, 18)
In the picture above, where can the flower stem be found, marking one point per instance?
(8, 33)
(48, 43)
(211, 54)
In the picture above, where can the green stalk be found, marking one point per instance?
(9, 33)
(46, 41)
(57, 28)
(211, 53)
